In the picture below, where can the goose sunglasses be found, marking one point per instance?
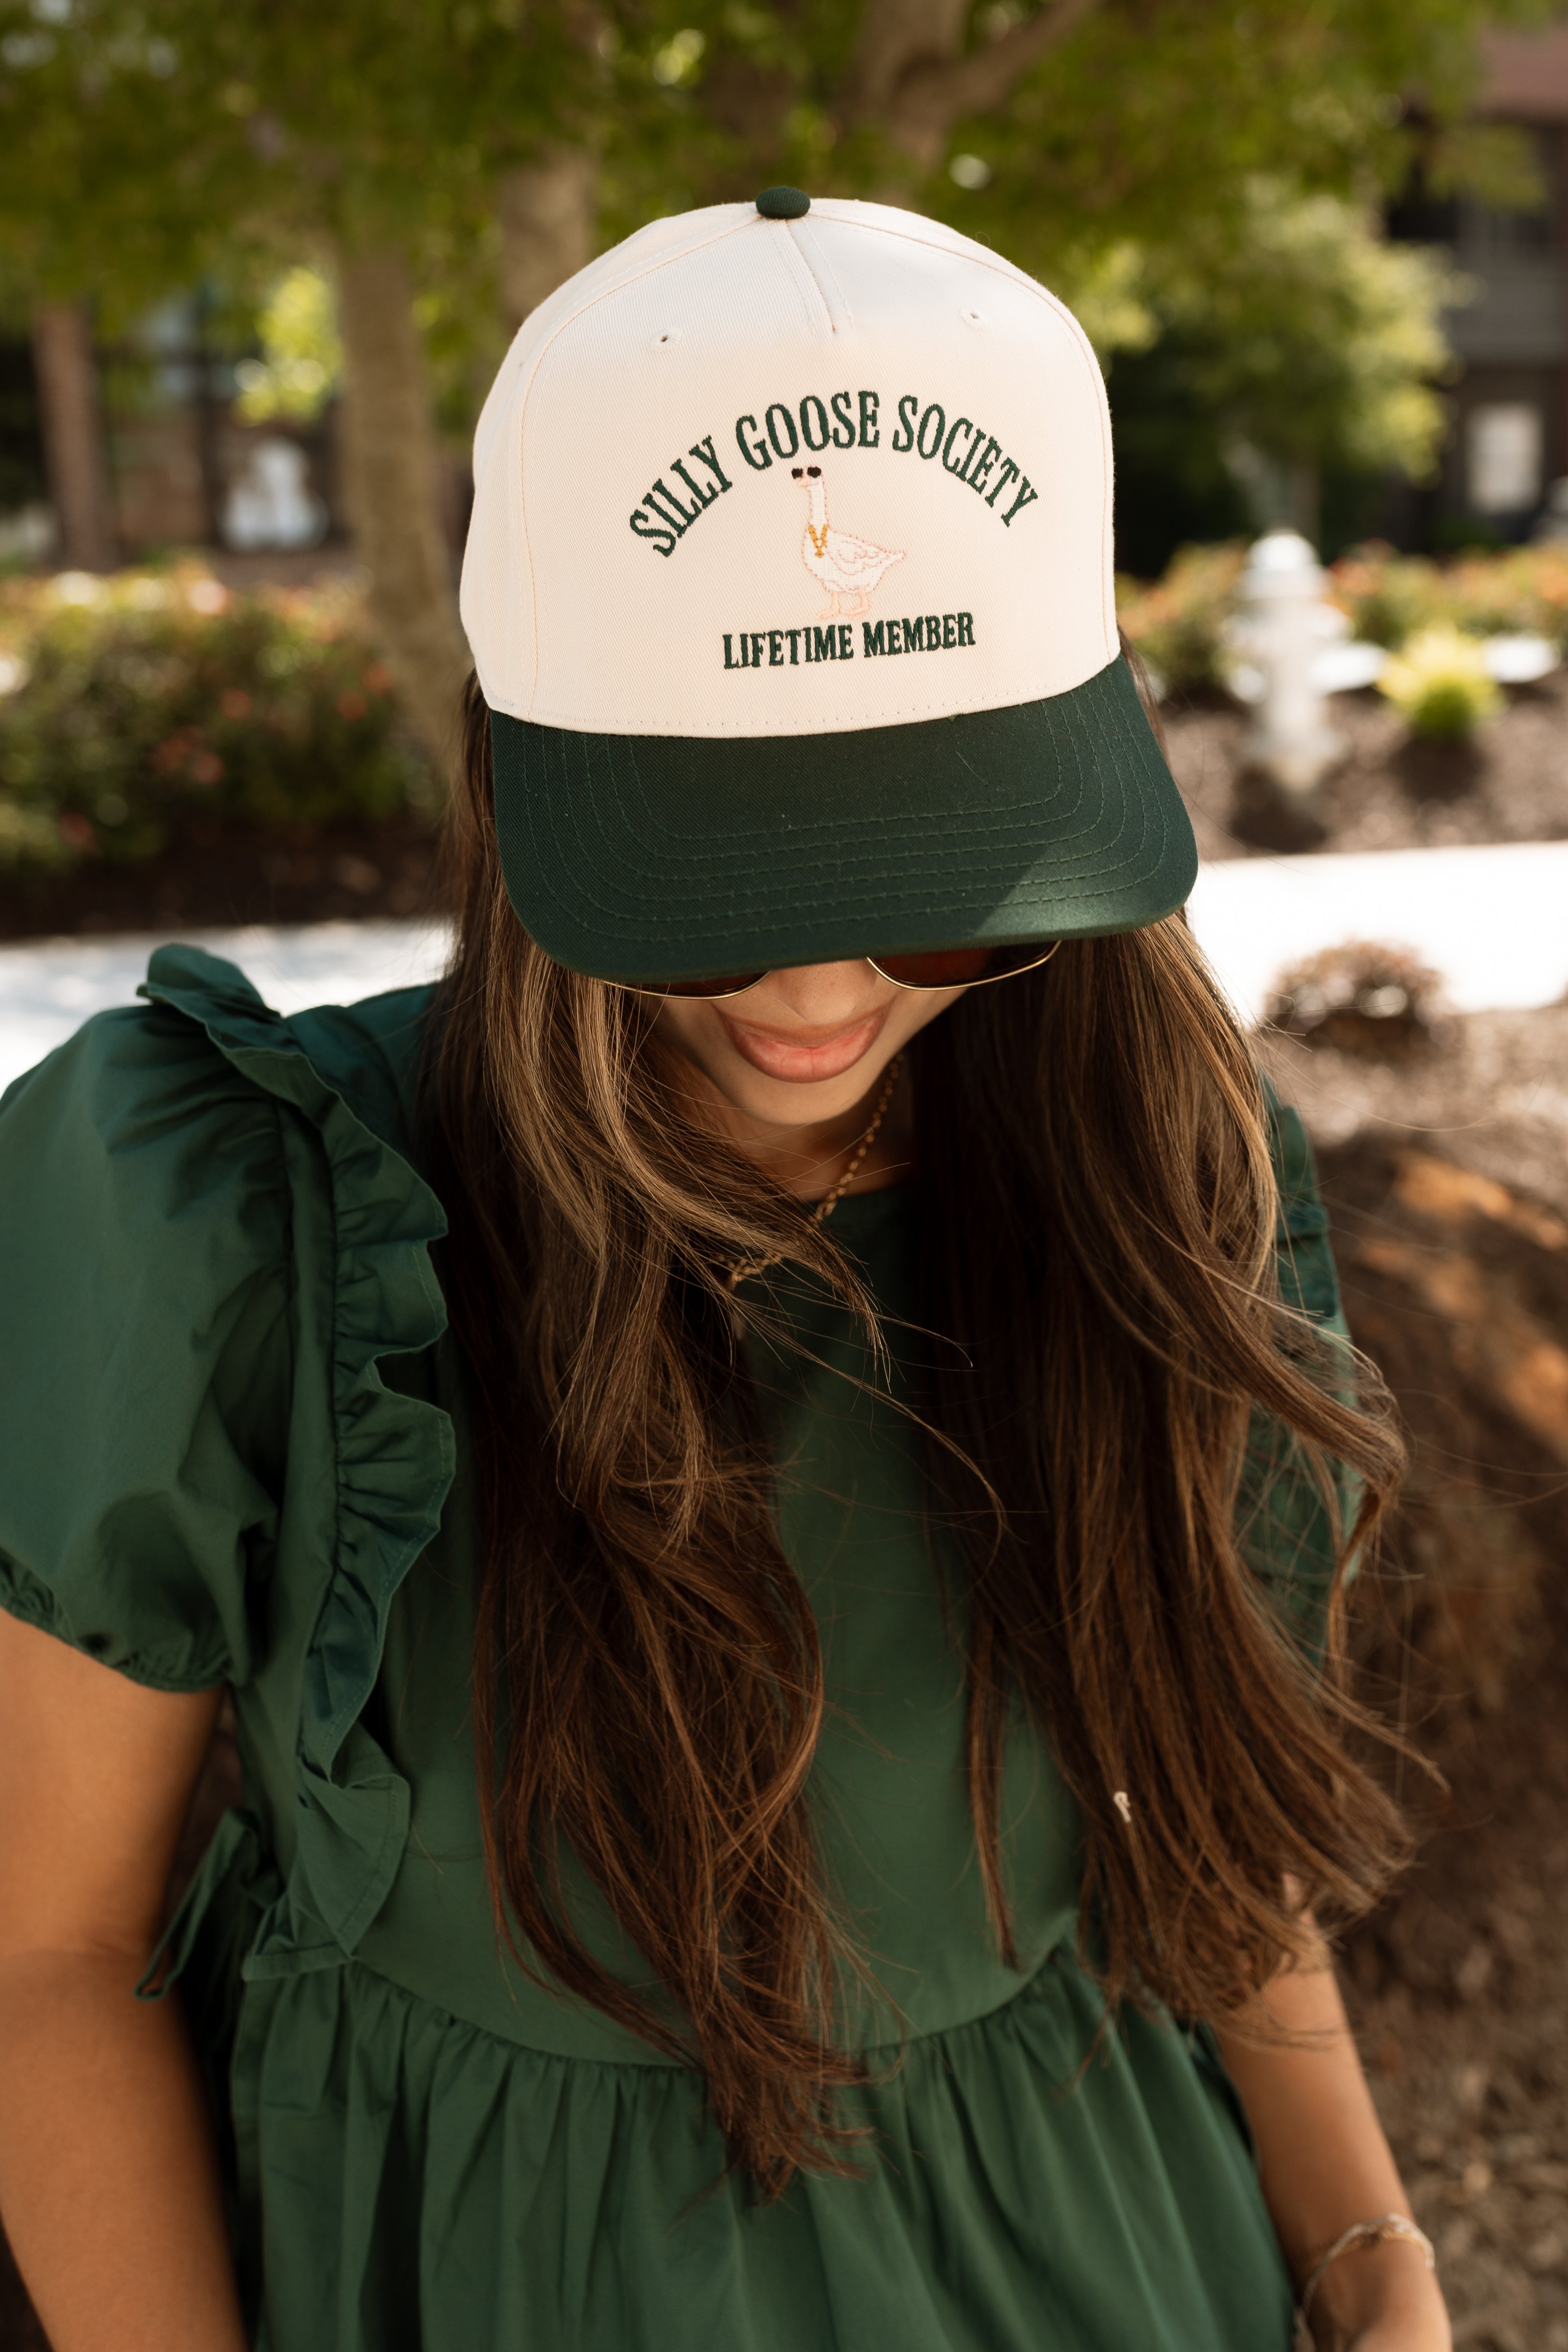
(927, 969)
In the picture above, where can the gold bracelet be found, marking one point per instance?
(1365, 2233)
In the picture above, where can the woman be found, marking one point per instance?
(788, 1681)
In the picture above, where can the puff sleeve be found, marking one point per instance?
(144, 1349)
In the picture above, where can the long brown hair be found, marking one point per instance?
(1098, 1215)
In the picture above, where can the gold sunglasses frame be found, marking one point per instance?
(910, 987)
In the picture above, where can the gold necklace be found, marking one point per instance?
(818, 537)
(830, 1199)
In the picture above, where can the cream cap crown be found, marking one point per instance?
(761, 477)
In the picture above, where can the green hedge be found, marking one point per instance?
(132, 707)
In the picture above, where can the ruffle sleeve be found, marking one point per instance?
(369, 1466)
(144, 1372)
(212, 1237)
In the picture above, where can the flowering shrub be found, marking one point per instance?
(1385, 597)
(1388, 598)
(1440, 683)
(1178, 623)
(133, 706)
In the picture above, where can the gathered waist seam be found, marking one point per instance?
(655, 2062)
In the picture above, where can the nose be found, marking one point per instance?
(824, 995)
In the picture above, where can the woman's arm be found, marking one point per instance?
(1326, 2164)
(108, 2182)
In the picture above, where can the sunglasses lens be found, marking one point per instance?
(731, 986)
(931, 968)
(961, 967)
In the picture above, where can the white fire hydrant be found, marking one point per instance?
(1279, 632)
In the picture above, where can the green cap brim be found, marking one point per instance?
(655, 857)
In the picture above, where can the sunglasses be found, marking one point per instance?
(936, 968)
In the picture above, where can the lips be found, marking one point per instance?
(804, 1056)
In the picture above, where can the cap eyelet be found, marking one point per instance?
(973, 318)
(667, 340)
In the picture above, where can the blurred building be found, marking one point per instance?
(1508, 441)
(181, 464)
(188, 470)
(183, 467)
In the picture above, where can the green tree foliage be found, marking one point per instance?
(433, 153)
(302, 353)
(144, 144)
(93, 196)
(1089, 121)
(142, 140)
(1316, 339)
(1277, 344)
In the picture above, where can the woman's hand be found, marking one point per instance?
(1326, 2164)
(1403, 2336)
(1386, 2301)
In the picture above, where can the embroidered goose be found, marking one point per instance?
(845, 565)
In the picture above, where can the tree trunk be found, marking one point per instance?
(67, 378)
(912, 78)
(391, 460)
(547, 214)
(1306, 499)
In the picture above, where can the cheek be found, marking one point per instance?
(922, 1008)
(693, 1030)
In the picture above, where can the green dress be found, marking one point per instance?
(231, 1449)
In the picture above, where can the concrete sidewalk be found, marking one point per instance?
(1493, 921)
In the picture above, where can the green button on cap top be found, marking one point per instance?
(783, 204)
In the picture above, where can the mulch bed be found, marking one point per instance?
(1389, 793)
(1447, 1179)
(1458, 1285)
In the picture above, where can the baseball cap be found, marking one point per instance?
(790, 588)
